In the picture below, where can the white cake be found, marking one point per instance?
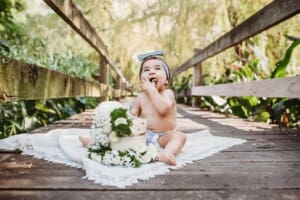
(118, 137)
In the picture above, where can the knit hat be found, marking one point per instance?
(154, 55)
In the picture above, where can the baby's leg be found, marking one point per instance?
(172, 143)
(85, 141)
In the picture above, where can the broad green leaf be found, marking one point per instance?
(239, 111)
(281, 65)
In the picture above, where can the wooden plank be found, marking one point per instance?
(225, 175)
(21, 165)
(241, 172)
(264, 156)
(20, 80)
(279, 87)
(265, 145)
(275, 12)
(151, 194)
(207, 176)
(221, 124)
(26, 81)
(67, 10)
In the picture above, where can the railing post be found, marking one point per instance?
(197, 80)
(119, 86)
(103, 78)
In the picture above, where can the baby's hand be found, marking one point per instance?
(146, 85)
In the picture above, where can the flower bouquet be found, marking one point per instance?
(117, 137)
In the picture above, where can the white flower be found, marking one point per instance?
(96, 157)
(140, 148)
(138, 126)
(120, 120)
(113, 137)
(107, 158)
(103, 137)
(150, 154)
(126, 160)
(116, 160)
(94, 147)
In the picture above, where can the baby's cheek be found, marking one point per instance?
(143, 76)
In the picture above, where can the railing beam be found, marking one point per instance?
(272, 14)
(23, 81)
(279, 87)
(72, 16)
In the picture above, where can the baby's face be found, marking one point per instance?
(153, 71)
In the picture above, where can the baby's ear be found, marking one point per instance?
(166, 82)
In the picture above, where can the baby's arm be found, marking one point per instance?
(161, 102)
(136, 108)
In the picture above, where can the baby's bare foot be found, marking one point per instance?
(84, 141)
(167, 157)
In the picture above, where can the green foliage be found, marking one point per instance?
(175, 26)
(121, 130)
(182, 88)
(282, 64)
(284, 112)
(18, 43)
(65, 62)
(101, 151)
(23, 116)
(8, 28)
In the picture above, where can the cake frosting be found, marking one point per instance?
(118, 137)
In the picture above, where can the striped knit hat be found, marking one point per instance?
(154, 55)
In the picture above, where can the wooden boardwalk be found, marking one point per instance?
(267, 166)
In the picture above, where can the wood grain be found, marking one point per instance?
(265, 167)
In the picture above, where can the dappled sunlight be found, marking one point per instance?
(210, 120)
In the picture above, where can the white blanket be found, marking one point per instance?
(63, 146)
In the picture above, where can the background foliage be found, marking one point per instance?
(17, 42)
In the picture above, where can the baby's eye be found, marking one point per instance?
(146, 70)
(157, 68)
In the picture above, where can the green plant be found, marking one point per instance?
(9, 29)
(281, 65)
(23, 116)
(284, 112)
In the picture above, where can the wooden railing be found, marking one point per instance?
(274, 13)
(20, 80)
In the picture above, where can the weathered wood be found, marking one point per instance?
(280, 87)
(19, 165)
(20, 80)
(265, 167)
(152, 194)
(103, 78)
(119, 88)
(275, 12)
(72, 16)
(197, 81)
(205, 174)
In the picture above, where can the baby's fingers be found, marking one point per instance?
(144, 79)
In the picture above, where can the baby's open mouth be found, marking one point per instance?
(153, 80)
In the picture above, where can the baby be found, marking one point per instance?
(157, 105)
